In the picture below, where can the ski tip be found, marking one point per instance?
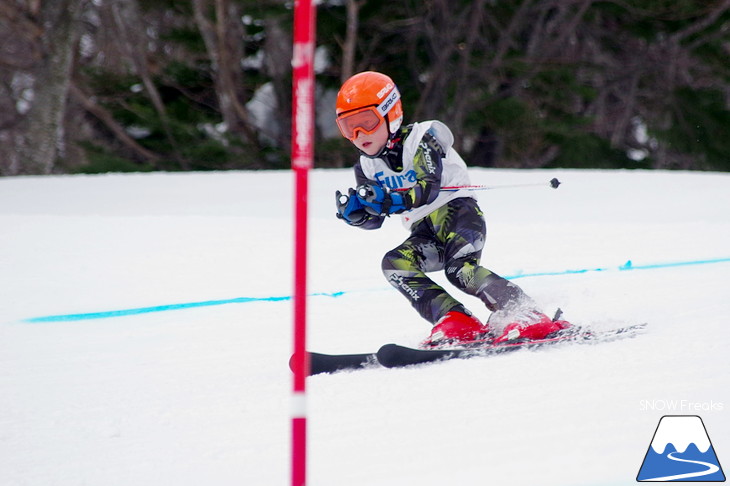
(388, 354)
(388, 348)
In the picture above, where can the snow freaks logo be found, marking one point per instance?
(681, 451)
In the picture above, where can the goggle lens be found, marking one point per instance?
(366, 120)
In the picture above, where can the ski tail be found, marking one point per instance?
(330, 363)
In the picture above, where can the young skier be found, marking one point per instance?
(401, 170)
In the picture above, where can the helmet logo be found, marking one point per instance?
(385, 90)
(387, 103)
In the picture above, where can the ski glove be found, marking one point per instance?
(350, 209)
(379, 201)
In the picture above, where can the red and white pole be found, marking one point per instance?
(302, 160)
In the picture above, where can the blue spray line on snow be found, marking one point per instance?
(168, 307)
(628, 266)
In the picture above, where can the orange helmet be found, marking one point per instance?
(365, 101)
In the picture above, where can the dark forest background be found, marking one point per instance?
(141, 85)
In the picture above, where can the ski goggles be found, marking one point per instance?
(367, 119)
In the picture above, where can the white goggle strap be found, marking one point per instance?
(388, 102)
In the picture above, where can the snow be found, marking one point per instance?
(201, 394)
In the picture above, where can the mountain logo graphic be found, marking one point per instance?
(681, 451)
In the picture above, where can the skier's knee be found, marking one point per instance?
(398, 259)
(388, 263)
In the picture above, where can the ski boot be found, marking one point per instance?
(455, 328)
(533, 325)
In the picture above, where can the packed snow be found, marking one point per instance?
(174, 369)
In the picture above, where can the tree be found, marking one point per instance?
(184, 85)
(40, 138)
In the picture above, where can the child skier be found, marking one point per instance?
(401, 171)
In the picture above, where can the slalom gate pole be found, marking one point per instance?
(302, 161)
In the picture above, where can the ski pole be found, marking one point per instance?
(554, 183)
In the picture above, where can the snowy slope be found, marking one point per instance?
(200, 394)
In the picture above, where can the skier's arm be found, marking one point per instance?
(428, 164)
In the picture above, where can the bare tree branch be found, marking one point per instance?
(108, 120)
(702, 23)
